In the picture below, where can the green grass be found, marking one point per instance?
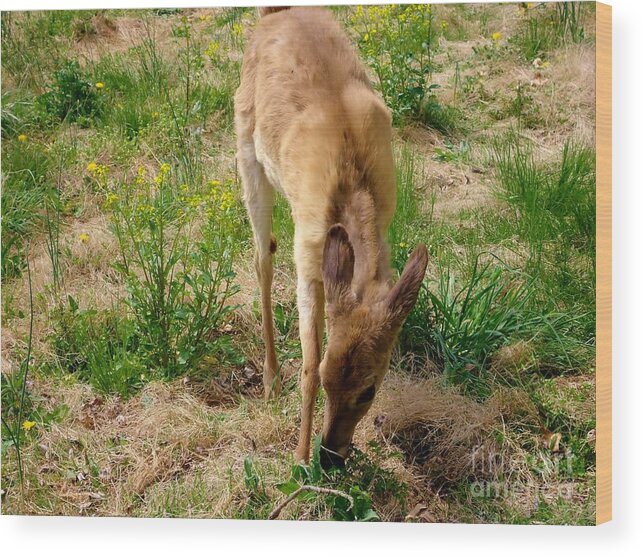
(544, 29)
(471, 322)
(99, 347)
(478, 303)
(554, 214)
(26, 166)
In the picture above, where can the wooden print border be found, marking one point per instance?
(603, 263)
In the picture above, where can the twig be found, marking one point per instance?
(328, 491)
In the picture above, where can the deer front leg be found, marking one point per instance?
(310, 300)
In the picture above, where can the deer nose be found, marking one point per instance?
(329, 458)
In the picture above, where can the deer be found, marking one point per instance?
(310, 126)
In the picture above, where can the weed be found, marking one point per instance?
(441, 117)
(548, 205)
(568, 20)
(397, 43)
(98, 347)
(353, 504)
(409, 217)
(72, 97)
(452, 153)
(257, 497)
(177, 267)
(524, 109)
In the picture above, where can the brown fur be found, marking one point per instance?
(267, 10)
(309, 125)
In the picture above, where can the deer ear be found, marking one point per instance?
(403, 295)
(338, 263)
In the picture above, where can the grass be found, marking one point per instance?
(552, 203)
(545, 28)
(141, 365)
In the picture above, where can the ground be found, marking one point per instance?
(488, 412)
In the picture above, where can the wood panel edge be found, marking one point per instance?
(603, 263)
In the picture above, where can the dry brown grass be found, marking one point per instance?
(173, 450)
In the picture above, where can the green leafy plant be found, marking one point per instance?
(549, 203)
(258, 498)
(176, 250)
(396, 41)
(72, 96)
(452, 152)
(409, 217)
(308, 481)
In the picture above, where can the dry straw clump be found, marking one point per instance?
(443, 434)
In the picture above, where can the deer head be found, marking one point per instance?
(361, 335)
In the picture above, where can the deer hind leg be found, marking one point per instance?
(310, 301)
(259, 198)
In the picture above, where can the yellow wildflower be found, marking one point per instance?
(366, 37)
(227, 200)
(84, 238)
(100, 85)
(214, 183)
(212, 50)
(111, 199)
(92, 166)
(496, 36)
(27, 425)
(22, 138)
(163, 172)
(404, 245)
(140, 176)
(444, 24)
